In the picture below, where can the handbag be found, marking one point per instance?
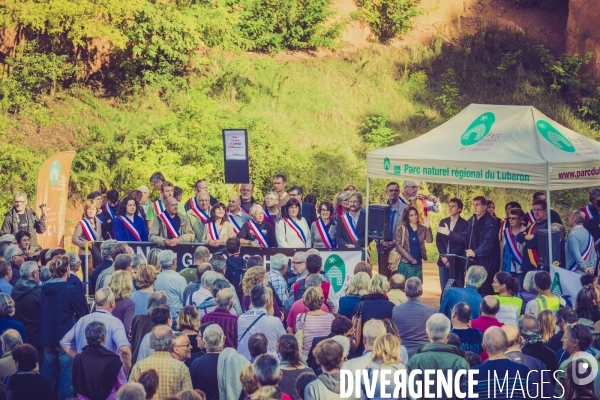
(394, 257)
(300, 331)
(356, 336)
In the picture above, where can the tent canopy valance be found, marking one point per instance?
(491, 145)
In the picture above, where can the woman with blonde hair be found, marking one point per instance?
(121, 285)
(358, 287)
(89, 229)
(253, 277)
(374, 305)
(547, 324)
(315, 322)
(188, 322)
(249, 385)
(385, 357)
(144, 279)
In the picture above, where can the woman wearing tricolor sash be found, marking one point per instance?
(89, 229)
(218, 228)
(128, 226)
(257, 232)
(511, 250)
(323, 229)
(292, 231)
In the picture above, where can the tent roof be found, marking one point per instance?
(491, 145)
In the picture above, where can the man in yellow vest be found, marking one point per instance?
(546, 300)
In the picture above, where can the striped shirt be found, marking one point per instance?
(314, 326)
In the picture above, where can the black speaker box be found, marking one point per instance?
(379, 221)
(543, 254)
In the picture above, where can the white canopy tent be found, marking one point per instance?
(491, 145)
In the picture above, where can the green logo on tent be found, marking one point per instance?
(478, 129)
(54, 172)
(335, 268)
(554, 137)
(386, 163)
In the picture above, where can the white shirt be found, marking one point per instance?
(287, 238)
(268, 325)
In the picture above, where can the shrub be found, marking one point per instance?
(275, 25)
(374, 131)
(387, 18)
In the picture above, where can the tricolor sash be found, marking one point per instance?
(131, 228)
(236, 226)
(212, 231)
(324, 233)
(89, 233)
(166, 219)
(262, 239)
(159, 207)
(589, 213)
(347, 221)
(244, 210)
(296, 228)
(530, 217)
(204, 217)
(585, 254)
(512, 245)
(403, 200)
(109, 210)
(267, 215)
(532, 253)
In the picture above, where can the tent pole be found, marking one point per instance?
(458, 191)
(548, 209)
(367, 220)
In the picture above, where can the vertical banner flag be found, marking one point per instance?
(52, 190)
(565, 282)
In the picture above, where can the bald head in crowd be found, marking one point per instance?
(397, 281)
(513, 336)
(201, 255)
(489, 306)
(495, 342)
(202, 268)
(105, 299)
(224, 299)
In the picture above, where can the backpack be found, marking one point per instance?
(299, 293)
(234, 274)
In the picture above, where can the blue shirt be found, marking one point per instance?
(415, 246)
(115, 332)
(5, 286)
(141, 300)
(470, 339)
(468, 295)
(173, 284)
(501, 368)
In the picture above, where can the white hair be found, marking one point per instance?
(213, 338)
(279, 261)
(165, 259)
(209, 278)
(438, 327)
(28, 268)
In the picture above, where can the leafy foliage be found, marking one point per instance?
(450, 97)
(33, 73)
(275, 25)
(375, 131)
(387, 18)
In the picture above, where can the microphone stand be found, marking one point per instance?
(451, 282)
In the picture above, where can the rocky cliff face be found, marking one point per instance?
(583, 32)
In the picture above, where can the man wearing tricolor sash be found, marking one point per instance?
(530, 215)
(109, 213)
(158, 207)
(257, 232)
(581, 256)
(591, 210)
(200, 186)
(351, 231)
(199, 214)
(247, 197)
(235, 214)
(170, 227)
(530, 236)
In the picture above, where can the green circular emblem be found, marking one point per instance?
(386, 163)
(554, 137)
(478, 129)
(54, 172)
(335, 268)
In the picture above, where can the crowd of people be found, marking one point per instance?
(228, 328)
